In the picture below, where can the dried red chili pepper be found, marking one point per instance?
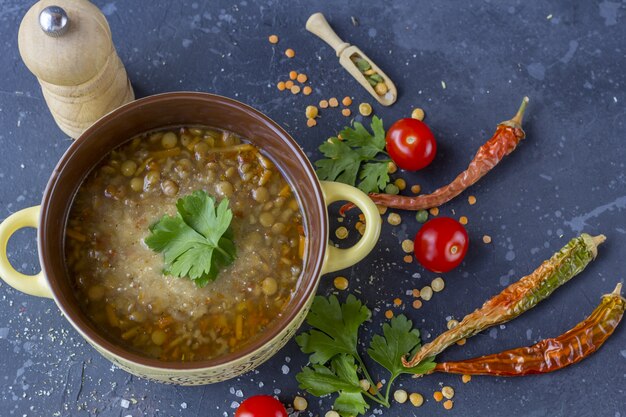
(550, 354)
(518, 297)
(504, 141)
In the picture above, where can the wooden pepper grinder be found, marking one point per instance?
(67, 45)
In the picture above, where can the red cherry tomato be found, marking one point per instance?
(441, 244)
(411, 144)
(261, 406)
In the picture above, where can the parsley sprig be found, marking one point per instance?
(335, 363)
(198, 241)
(356, 156)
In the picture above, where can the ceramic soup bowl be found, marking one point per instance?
(172, 109)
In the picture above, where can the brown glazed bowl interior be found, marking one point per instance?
(160, 111)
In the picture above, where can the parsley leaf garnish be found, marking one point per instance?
(198, 241)
(336, 365)
(355, 157)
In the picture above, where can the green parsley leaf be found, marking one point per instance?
(197, 241)
(341, 378)
(400, 338)
(356, 157)
(335, 328)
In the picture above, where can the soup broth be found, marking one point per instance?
(119, 281)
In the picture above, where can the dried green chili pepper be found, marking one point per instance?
(520, 296)
(550, 354)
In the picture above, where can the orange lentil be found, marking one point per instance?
(438, 396)
(416, 189)
(434, 211)
(389, 314)
(471, 200)
(448, 404)
(486, 239)
(295, 89)
(311, 122)
(307, 90)
(273, 39)
(466, 378)
(289, 84)
(290, 53)
(280, 85)
(292, 75)
(408, 259)
(346, 101)
(397, 302)
(417, 304)
(416, 292)
(463, 220)
(323, 104)
(333, 102)
(346, 112)
(461, 342)
(302, 78)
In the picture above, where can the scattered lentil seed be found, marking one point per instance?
(447, 392)
(408, 246)
(487, 239)
(341, 283)
(288, 84)
(463, 220)
(400, 396)
(365, 109)
(302, 78)
(416, 189)
(280, 85)
(311, 112)
(394, 219)
(295, 89)
(408, 259)
(418, 114)
(417, 304)
(448, 404)
(461, 342)
(382, 209)
(360, 227)
(416, 399)
(438, 284)
(400, 183)
(292, 75)
(438, 396)
(471, 200)
(389, 314)
(332, 413)
(346, 101)
(452, 324)
(323, 104)
(365, 384)
(333, 102)
(307, 90)
(273, 39)
(391, 167)
(346, 112)
(397, 302)
(415, 292)
(300, 404)
(426, 293)
(466, 378)
(290, 53)
(434, 211)
(421, 216)
(311, 122)
(392, 189)
(341, 232)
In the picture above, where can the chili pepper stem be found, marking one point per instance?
(516, 121)
(598, 239)
(618, 289)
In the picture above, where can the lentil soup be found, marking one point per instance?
(119, 281)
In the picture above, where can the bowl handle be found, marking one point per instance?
(30, 284)
(335, 258)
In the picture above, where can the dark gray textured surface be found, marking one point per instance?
(567, 177)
